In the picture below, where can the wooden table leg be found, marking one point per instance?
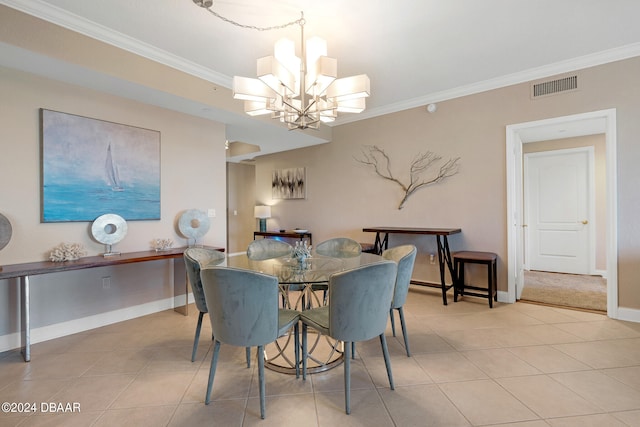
(444, 259)
(377, 244)
(380, 245)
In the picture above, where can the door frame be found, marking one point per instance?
(596, 122)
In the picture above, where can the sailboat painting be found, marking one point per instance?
(111, 172)
(91, 167)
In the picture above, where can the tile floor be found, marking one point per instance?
(515, 365)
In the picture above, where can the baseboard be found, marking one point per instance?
(626, 314)
(503, 296)
(629, 314)
(49, 332)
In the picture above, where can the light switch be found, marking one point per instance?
(212, 213)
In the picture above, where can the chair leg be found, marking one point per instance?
(461, 279)
(248, 352)
(347, 378)
(393, 322)
(490, 284)
(197, 338)
(404, 331)
(495, 281)
(261, 380)
(387, 361)
(456, 279)
(304, 351)
(296, 342)
(212, 370)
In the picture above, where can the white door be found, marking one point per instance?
(557, 201)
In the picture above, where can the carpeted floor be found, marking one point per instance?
(569, 290)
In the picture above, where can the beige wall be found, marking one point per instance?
(344, 196)
(192, 156)
(193, 175)
(600, 190)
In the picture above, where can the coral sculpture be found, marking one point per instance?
(161, 244)
(67, 252)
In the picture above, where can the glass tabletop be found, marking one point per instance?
(316, 269)
(303, 286)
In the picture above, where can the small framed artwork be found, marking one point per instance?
(289, 183)
(93, 167)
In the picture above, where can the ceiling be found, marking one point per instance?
(415, 52)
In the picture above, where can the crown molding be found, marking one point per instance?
(99, 32)
(574, 64)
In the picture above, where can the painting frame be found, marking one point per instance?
(289, 183)
(91, 167)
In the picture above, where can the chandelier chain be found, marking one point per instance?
(299, 21)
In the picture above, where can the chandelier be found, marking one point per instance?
(301, 92)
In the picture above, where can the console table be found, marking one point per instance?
(287, 234)
(444, 255)
(24, 271)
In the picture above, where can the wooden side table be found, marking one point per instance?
(25, 270)
(444, 255)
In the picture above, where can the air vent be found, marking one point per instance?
(554, 86)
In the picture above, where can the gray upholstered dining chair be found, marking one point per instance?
(339, 247)
(244, 312)
(405, 257)
(357, 311)
(262, 249)
(194, 260)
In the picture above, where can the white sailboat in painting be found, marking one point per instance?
(111, 172)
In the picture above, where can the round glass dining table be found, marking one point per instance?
(303, 285)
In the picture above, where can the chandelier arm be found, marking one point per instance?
(296, 109)
(306, 109)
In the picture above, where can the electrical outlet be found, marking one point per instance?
(432, 259)
(212, 213)
(106, 282)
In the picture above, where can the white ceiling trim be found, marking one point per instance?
(600, 58)
(99, 32)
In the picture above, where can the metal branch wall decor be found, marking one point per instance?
(376, 157)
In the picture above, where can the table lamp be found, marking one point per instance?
(262, 213)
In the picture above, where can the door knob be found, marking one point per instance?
(585, 222)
